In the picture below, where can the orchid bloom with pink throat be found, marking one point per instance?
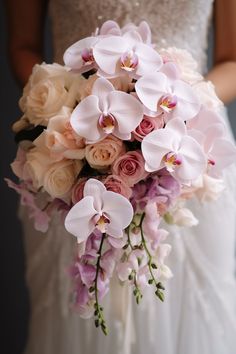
(163, 92)
(173, 149)
(100, 209)
(106, 111)
(210, 130)
(126, 55)
(80, 55)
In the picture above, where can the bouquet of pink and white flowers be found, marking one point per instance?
(116, 141)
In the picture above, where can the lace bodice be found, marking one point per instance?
(180, 23)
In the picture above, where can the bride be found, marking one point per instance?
(199, 314)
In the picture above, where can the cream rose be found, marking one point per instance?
(49, 88)
(59, 178)
(36, 165)
(186, 63)
(102, 154)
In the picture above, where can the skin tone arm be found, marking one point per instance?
(223, 74)
(26, 22)
(25, 35)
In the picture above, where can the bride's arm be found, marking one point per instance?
(223, 74)
(25, 35)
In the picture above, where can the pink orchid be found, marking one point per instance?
(165, 94)
(220, 151)
(173, 149)
(143, 29)
(106, 111)
(126, 55)
(79, 56)
(99, 209)
(210, 130)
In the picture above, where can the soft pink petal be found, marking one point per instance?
(193, 160)
(120, 212)
(101, 89)
(151, 88)
(155, 146)
(84, 119)
(95, 189)
(111, 28)
(107, 53)
(126, 109)
(171, 71)
(145, 32)
(78, 221)
(224, 154)
(72, 56)
(188, 105)
(148, 59)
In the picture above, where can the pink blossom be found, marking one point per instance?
(99, 209)
(106, 111)
(173, 149)
(162, 94)
(147, 125)
(78, 190)
(130, 167)
(126, 55)
(118, 185)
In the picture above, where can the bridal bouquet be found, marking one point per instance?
(117, 141)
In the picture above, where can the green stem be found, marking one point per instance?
(98, 309)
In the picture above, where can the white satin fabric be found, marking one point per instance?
(199, 313)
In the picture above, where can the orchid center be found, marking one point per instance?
(211, 162)
(129, 61)
(107, 122)
(101, 223)
(167, 103)
(87, 56)
(171, 161)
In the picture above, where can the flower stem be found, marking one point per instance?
(99, 320)
(151, 265)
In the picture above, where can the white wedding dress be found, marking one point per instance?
(199, 313)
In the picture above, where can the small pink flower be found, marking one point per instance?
(147, 125)
(130, 167)
(116, 184)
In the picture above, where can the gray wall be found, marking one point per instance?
(15, 304)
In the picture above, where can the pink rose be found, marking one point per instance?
(130, 167)
(147, 125)
(78, 190)
(116, 184)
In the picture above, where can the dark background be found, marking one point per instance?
(14, 305)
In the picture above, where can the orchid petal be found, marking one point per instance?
(148, 59)
(78, 221)
(84, 119)
(188, 105)
(224, 154)
(193, 159)
(120, 212)
(150, 88)
(155, 146)
(95, 189)
(72, 56)
(111, 28)
(126, 109)
(101, 89)
(108, 51)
